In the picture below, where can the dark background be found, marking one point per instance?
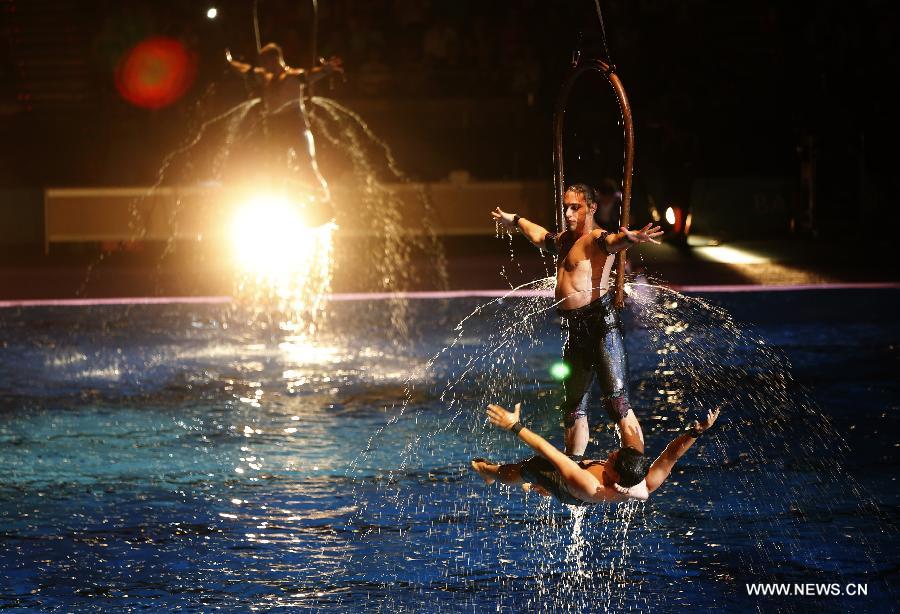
(736, 89)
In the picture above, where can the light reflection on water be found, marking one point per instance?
(125, 492)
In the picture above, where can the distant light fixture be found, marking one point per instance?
(670, 216)
(212, 12)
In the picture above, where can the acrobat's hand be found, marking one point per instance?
(332, 64)
(507, 219)
(501, 418)
(702, 425)
(240, 67)
(647, 234)
(638, 491)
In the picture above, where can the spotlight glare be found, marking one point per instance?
(281, 261)
(156, 72)
(270, 236)
(560, 370)
(212, 12)
(670, 215)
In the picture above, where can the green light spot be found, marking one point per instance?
(560, 370)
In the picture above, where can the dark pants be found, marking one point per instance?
(595, 348)
(538, 470)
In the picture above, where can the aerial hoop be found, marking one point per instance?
(580, 68)
(256, 36)
(314, 39)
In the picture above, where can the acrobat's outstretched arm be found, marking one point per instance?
(662, 466)
(616, 242)
(241, 67)
(537, 234)
(583, 484)
(325, 69)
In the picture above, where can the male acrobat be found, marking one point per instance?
(282, 89)
(595, 346)
(623, 475)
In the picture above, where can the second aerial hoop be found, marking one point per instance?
(608, 72)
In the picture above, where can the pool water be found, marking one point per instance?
(165, 457)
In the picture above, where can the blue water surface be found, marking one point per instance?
(169, 457)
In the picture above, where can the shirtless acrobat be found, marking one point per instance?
(595, 346)
(623, 475)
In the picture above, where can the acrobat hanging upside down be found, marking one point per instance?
(622, 476)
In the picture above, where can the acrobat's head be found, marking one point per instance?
(271, 58)
(580, 203)
(628, 466)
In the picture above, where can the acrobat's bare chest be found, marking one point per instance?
(577, 257)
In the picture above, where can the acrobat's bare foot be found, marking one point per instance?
(486, 469)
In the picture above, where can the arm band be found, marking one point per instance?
(693, 432)
(550, 243)
(601, 241)
(516, 219)
(515, 428)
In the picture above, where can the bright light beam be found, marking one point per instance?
(282, 263)
(270, 237)
(730, 255)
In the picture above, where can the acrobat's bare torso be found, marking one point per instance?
(583, 268)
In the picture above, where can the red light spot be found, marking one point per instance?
(155, 73)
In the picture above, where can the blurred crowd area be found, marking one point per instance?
(740, 88)
(422, 48)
